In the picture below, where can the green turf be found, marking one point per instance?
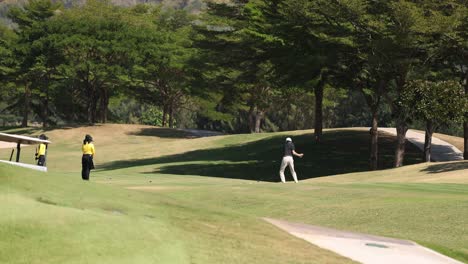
(201, 200)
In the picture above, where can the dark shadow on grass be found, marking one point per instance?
(444, 153)
(339, 152)
(446, 167)
(162, 133)
(174, 133)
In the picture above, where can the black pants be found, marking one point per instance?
(86, 166)
(41, 160)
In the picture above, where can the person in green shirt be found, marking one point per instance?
(87, 163)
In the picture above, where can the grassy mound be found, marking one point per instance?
(165, 197)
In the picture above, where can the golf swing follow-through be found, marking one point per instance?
(289, 151)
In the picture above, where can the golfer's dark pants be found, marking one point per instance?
(86, 163)
(41, 160)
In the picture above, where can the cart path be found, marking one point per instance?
(441, 150)
(363, 248)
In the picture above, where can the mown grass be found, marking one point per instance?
(57, 218)
(201, 200)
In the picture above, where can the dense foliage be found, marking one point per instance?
(239, 66)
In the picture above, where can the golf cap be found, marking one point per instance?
(288, 139)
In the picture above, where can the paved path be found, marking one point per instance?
(364, 248)
(441, 150)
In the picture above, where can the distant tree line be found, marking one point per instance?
(241, 66)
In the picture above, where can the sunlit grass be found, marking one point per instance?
(172, 199)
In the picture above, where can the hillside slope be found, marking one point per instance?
(163, 196)
(247, 156)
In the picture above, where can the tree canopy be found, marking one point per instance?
(238, 66)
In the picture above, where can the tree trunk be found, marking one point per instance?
(318, 111)
(374, 140)
(92, 102)
(45, 110)
(90, 115)
(164, 115)
(428, 140)
(465, 124)
(94, 107)
(171, 115)
(465, 135)
(401, 128)
(103, 104)
(27, 102)
(258, 120)
(252, 119)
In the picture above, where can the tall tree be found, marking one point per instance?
(159, 75)
(7, 69)
(95, 43)
(239, 67)
(437, 103)
(302, 45)
(361, 26)
(7, 63)
(31, 19)
(414, 27)
(450, 48)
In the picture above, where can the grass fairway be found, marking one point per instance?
(161, 197)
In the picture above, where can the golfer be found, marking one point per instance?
(41, 151)
(288, 160)
(87, 163)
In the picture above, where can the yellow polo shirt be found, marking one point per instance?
(88, 149)
(41, 150)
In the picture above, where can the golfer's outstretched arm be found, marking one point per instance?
(297, 154)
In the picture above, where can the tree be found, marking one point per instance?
(450, 49)
(7, 69)
(239, 67)
(362, 28)
(393, 37)
(437, 103)
(159, 74)
(31, 73)
(95, 41)
(7, 63)
(300, 41)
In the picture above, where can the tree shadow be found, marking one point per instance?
(339, 152)
(446, 167)
(444, 153)
(163, 133)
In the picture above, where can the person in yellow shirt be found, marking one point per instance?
(41, 151)
(87, 163)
